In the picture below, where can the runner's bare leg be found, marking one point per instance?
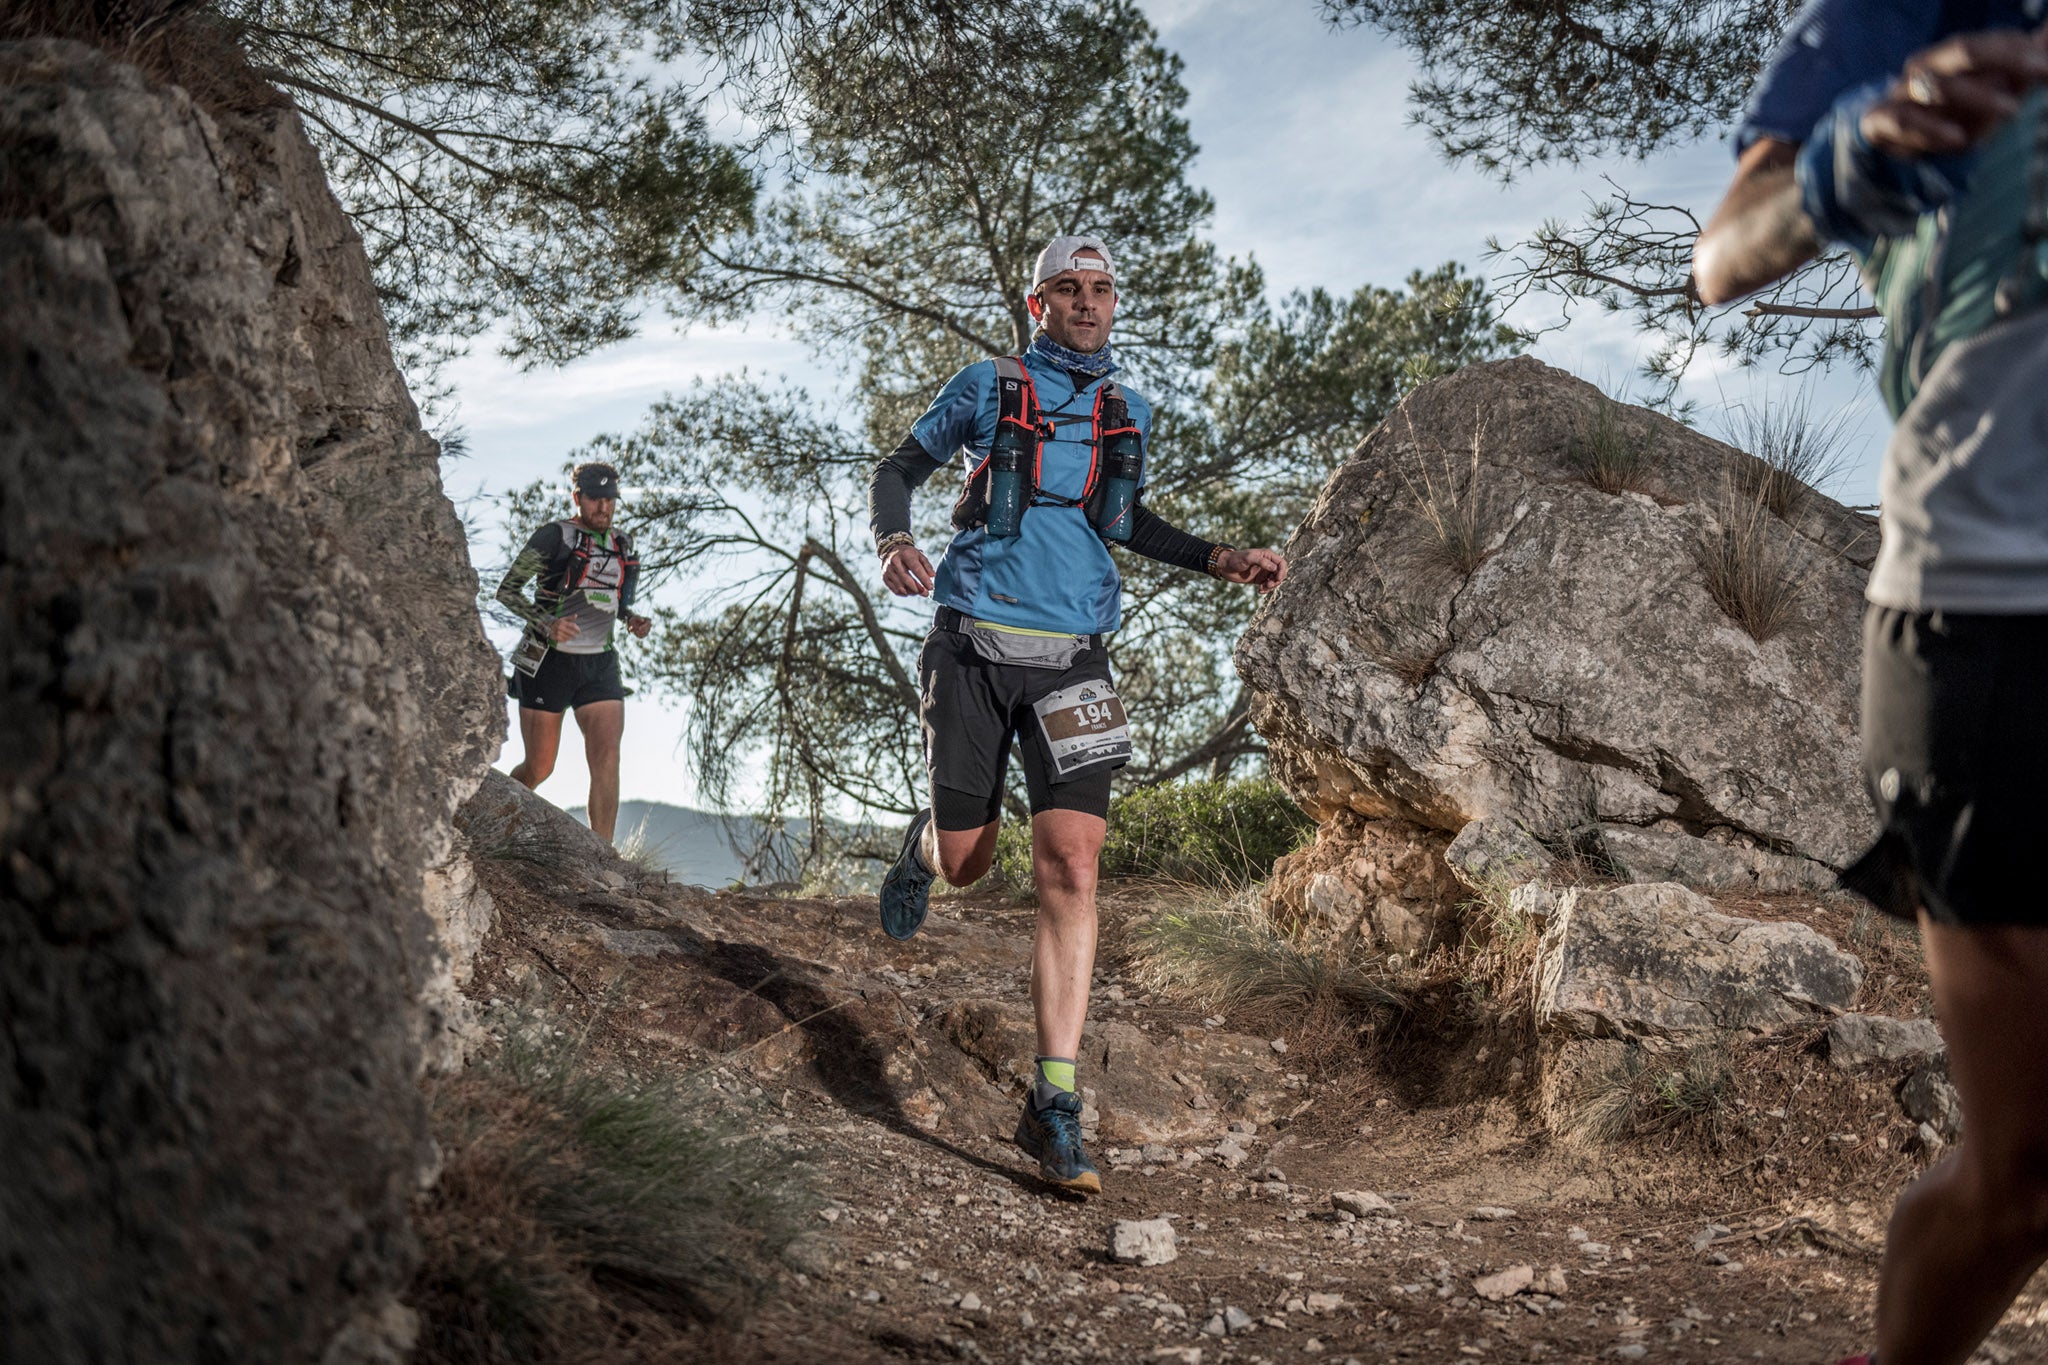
(602, 723)
(1064, 849)
(540, 736)
(962, 856)
(1967, 1235)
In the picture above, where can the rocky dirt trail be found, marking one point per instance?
(1346, 1208)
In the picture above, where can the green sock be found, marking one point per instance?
(1054, 1074)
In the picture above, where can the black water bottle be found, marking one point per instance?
(1006, 483)
(1122, 466)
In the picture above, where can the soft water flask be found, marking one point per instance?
(1006, 485)
(1120, 471)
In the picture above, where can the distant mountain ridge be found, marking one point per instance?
(705, 848)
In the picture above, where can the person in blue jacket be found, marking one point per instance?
(1912, 132)
(1017, 649)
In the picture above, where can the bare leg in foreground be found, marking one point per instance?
(602, 724)
(1967, 1235)
(540, 735)
(1064, 845)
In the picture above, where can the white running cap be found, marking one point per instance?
(1059, 257)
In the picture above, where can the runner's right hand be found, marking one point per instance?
(907, 573)
(564, 630)
(1957, 93)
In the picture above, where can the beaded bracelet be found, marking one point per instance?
(1216, 554)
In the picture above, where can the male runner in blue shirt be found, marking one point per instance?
(1017, 649)
(1912, 132)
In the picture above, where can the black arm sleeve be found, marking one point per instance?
(890, 487)
(629, 576)
(1154, 537)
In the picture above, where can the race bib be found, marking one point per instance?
(1084, 725)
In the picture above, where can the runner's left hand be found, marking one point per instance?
(639, 625)
(1263, 569)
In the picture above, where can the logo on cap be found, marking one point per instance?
(597, 481)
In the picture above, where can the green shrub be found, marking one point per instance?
(1210, 833)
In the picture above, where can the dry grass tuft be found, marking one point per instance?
(1608, 455)
(1753, 569)
(585, 1217)
(1225, 954)
(1455, 507)
(644, 854)
(1643, 1094)
(174, 42)
(1417, 665)
(1408, 641)
(1793, 456)
(1498, 955)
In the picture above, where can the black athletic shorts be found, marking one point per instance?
(971, 708)
(1955, 752)
(564, 681)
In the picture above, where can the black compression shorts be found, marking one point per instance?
(1955, 745)
(566, 681)
(971, 710)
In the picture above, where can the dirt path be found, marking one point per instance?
(880, 1070)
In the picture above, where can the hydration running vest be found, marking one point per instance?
(1973, 262)
(597, 567)
(1017, 407)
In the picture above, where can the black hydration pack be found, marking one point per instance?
(1115, 459)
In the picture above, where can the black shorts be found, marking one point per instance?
(564, 681)
(971, 709)
(1955, 750)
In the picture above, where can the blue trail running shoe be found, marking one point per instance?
(907, 890)
(1053, 1135)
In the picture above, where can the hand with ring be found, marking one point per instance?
(1957, 93)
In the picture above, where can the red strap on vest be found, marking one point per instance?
(1017, 405)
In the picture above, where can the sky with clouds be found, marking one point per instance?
(1315, 170)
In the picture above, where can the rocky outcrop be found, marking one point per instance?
(1658, 962)
(1383, 882)
(1856, 1040)
(245, 687)
(1580, 673)
(1656, 855)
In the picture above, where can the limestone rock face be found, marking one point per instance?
(1490, 853)
(245, 687)
(1383, 881)
(1580, 673)
(1856, 1040)
(1658, 962)
(1652, 855)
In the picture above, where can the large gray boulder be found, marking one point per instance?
(1581, 673)
(245, 688)
(1655, 855)
(1658, 962)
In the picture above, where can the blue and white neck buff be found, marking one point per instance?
(1094, 364)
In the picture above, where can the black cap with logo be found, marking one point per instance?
(596, 481)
